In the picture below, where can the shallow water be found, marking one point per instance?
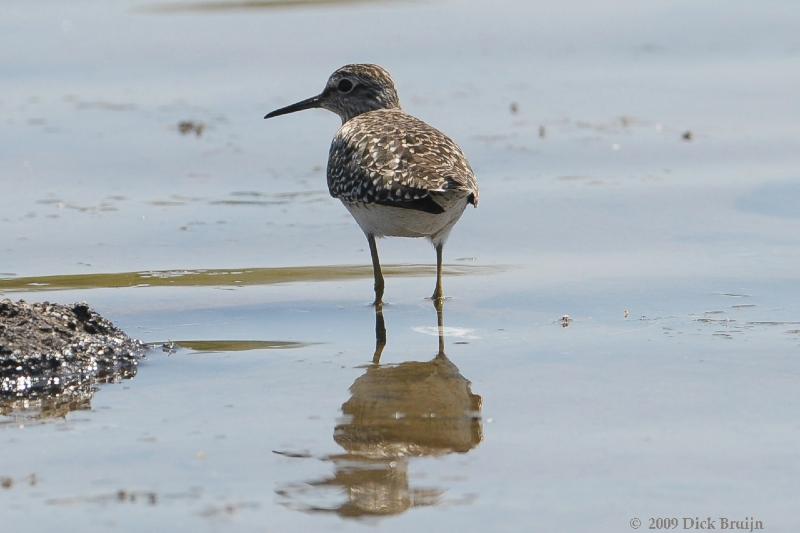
(672, 390)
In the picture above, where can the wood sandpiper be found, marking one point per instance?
(398, 176)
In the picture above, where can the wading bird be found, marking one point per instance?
(398, 176)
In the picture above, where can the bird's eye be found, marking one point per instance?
(345, 86)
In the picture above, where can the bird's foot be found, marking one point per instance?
(378, 294)
(438, 298)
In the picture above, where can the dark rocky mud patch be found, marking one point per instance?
(54, 355)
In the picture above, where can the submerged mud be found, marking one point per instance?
(55, 354)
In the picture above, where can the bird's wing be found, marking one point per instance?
(391, 158)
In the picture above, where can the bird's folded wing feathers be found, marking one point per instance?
(390, 158)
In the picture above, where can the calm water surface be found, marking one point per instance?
(672, 390)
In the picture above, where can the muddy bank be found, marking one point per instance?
(59, 352)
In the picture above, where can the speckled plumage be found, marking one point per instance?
(389, 157)
(396, 175)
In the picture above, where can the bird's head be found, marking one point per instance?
(350, 91)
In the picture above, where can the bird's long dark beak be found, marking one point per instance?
(308, 103)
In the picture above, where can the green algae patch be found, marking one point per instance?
(224, 277)
(215, 346)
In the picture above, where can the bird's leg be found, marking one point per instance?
(380, 334)
(438, 292)
(376, 270)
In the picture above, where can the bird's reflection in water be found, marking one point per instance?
(395, 412)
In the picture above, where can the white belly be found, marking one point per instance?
(387, 221)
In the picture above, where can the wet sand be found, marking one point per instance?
(670, 392)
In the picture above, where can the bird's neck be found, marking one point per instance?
(366, 107)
